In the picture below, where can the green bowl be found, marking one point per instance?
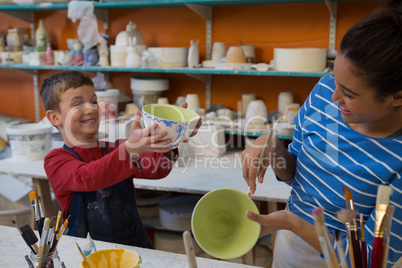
(220, 225)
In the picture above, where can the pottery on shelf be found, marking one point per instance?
(235, 54)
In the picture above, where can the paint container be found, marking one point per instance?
(30, 142)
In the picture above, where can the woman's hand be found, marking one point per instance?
(278, 220)
(143, 141)
(184, 105)
(286, 220)
(250, 158)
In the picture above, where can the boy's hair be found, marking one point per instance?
(54, 86)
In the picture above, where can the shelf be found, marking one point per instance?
(189, 71)
(154, 4)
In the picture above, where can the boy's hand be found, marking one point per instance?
(141, 141)
(184, 105)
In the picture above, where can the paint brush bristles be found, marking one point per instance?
(354, 235)
(383, 197)
(323, 237)
(35, 208)
(340, 249)
(346, 216)
(390, 214)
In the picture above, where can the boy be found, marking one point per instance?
(92, 180)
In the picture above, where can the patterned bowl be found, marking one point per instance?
(177, 121)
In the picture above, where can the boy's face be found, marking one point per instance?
(78, 119)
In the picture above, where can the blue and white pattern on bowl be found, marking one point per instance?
(180, 128)
(167, 122)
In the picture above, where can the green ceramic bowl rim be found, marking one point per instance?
(255, 233)
(193, 116)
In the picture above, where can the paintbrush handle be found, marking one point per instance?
(364, 254)
(356, 248)
(351, 256)
(377, 253)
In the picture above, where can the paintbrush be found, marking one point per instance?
(50, 234)
(35, 207)
(28, 238)
(341, 251)
(42, 215)
(390, 214)
(82, 254)
(353, 228)
(42, 242)
(63, 227)
(363, 242)
(346, 216)
(260, 160)
(56, 228)
(189, 248)
(383, 197)
(322, 232)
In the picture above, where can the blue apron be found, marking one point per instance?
(109, 214)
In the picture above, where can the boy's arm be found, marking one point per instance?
(156, 165)
(68, 174)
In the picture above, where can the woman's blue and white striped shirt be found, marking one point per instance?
(330, 154)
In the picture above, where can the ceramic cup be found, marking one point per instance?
(285, 98)
(256, 115)
(245, 100)
(193, 101)
(163, 100)
(218, 51)
(249, 52)
(220, 225)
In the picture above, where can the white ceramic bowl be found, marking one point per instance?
(177, 121)
(300, 59)
(170, 57)
(147, 83)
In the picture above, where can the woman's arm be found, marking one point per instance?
(286, 220)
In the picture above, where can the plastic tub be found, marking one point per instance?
(29, 142)
(108, 103)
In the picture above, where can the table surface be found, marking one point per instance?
(197, 175)
(13, 249)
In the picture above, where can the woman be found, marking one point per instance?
(348, 132)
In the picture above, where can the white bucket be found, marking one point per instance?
(29, 142)
(108, 103)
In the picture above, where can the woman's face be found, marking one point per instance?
(358, 101)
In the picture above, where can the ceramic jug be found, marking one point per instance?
(193, 55)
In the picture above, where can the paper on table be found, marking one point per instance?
(12, 188)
